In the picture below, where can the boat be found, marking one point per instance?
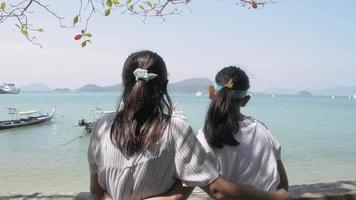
(25, 118)
(96, 113)
(199, 93)
(354, 96)
(9, 88)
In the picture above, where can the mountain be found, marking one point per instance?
(36, 87)
(61, 90)
(338, 91)
(96, 88)
(305, 93)
(190, 85)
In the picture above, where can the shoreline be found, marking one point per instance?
(340, 190)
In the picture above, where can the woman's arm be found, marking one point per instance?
(95, 189)
(178, 192)
(283, 176)
(221, 189)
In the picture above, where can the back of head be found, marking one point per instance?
(231, 85)
(145, 108)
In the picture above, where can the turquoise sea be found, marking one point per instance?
(318, 137)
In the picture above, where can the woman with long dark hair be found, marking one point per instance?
(142, 151)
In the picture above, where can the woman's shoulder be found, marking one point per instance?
(179, 127)
(203, 141)
(103, 124)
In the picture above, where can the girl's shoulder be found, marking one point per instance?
(253, 122)
(179, 126)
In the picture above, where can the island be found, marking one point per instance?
(305, 93)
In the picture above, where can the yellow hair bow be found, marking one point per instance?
(229, 85)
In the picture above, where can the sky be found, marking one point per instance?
(297, 44)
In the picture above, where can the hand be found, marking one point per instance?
(106, 197)
(281, 194)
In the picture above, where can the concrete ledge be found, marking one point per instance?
(342, 190)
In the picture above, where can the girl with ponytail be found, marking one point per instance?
(244, 148)
(143, 151)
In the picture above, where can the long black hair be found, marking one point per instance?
(145, 108)
(221, 121)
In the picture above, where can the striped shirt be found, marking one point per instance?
(176, 155)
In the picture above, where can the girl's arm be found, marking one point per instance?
(95, 189)
(283, 176)
(178, 192)
(221, 189)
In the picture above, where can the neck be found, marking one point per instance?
(242, 117)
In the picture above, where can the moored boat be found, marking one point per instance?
(9, 88)
(95, 113)
(26, 118)
(199, 93)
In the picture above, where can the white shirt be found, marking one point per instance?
(254, 161)
(176, 155)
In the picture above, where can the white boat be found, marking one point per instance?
(354, 96)
(9, 88)
(199, 93)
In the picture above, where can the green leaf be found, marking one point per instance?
(107, 12)
(84, 44)
(128, 2)
(141, 6)
(109, 3)
(75, 20)
(3, 5)
(88, 34)
(40, 30)
(88, 41)
(115, 2)
(149, 3)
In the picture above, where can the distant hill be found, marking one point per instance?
(190, 85)
(304, 93)
(36, 87)
(338, 91)
(96, 88)
(61, 90)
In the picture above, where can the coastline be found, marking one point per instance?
(340, 190)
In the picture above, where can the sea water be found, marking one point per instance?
(318, 137)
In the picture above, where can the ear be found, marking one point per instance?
(212, 92)
(245, 100)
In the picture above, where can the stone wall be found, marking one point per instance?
(342, 190)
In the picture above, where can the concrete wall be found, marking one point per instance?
(342, 190)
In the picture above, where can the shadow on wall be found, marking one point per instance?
(342, 190)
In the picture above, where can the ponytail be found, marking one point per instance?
(145, 108)
(221, 121)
